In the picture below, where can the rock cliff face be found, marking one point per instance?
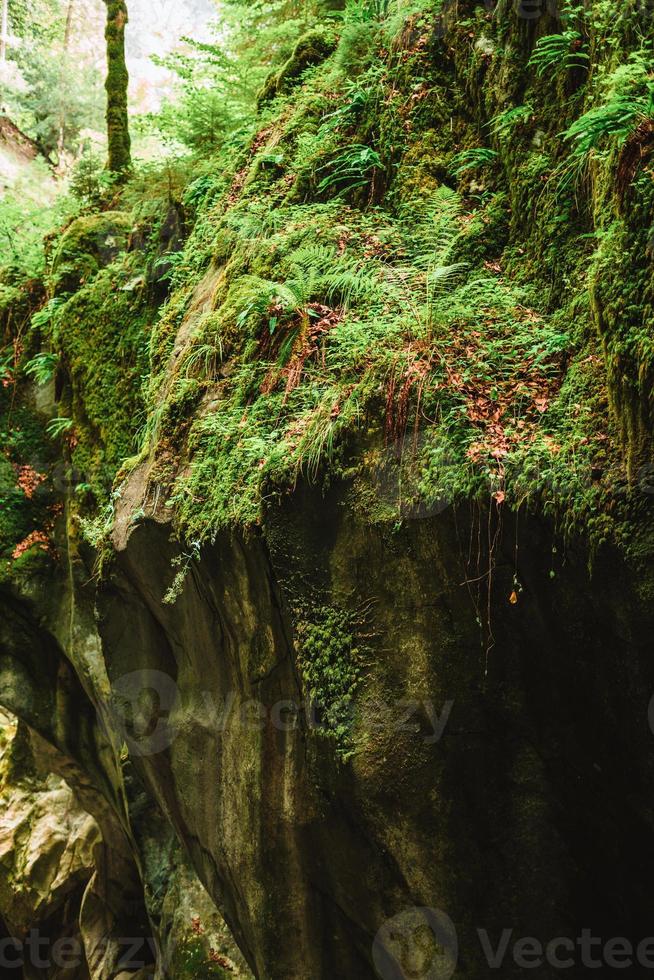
(490, 785)
(278, 705)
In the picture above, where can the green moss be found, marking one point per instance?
(89, 244)
(102, 333)
(311, 49)
(424, 167)
(116, 85)
(330, 664)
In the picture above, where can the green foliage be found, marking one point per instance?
(330, 663)
(42, 366)
(615, 119)
(57, 427)
(29, 212)
(215, 105)
(90, 181)
(60, 100)
(558, 53)
(7, 365)
(101, 316)
(504, 123)
(192, 961)
(351, 168)
(24, 443)
(326, 288)
(472, 160)
(366, 11)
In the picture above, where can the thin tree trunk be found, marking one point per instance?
(120, 159)
(62, 110)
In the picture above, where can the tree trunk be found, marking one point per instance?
(61, 140)
(120, 160)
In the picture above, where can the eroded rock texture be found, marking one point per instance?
(485, 780)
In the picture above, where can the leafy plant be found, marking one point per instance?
(616, 118)
(7, 365)
(43, 317)
(352, 168)
(366, 11)
(274, 300)
(202, 360)
(505, 122)
(557, 53)
(337, 279)
(330, 663)
(359, 94)
(42, 367)
(472, 160)
(90, 180)
(57, 427)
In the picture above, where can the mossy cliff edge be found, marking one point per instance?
(343, 446)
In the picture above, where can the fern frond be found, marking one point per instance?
(472, 159)
(556, 53)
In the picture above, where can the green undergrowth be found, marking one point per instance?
(375, 279)
(429, 269)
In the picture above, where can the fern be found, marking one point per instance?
(352, 168)
(57, 427)
(360, 95)
(43, 317)
(366, 11)
(472, 160)
(442, 277)
(337, 279)
(505, 122)
(616, 118)
(558, 53)
(429, 233)
(286, 297)
(202, 360)
(42, 367)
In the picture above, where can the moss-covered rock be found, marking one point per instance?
(311, 49)
(89, 244)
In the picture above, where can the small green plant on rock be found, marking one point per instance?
(557, 53)
(42, 367)
(614, 119)
(473, 159)
(354, 167)
(330, 664)
(505, 123)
